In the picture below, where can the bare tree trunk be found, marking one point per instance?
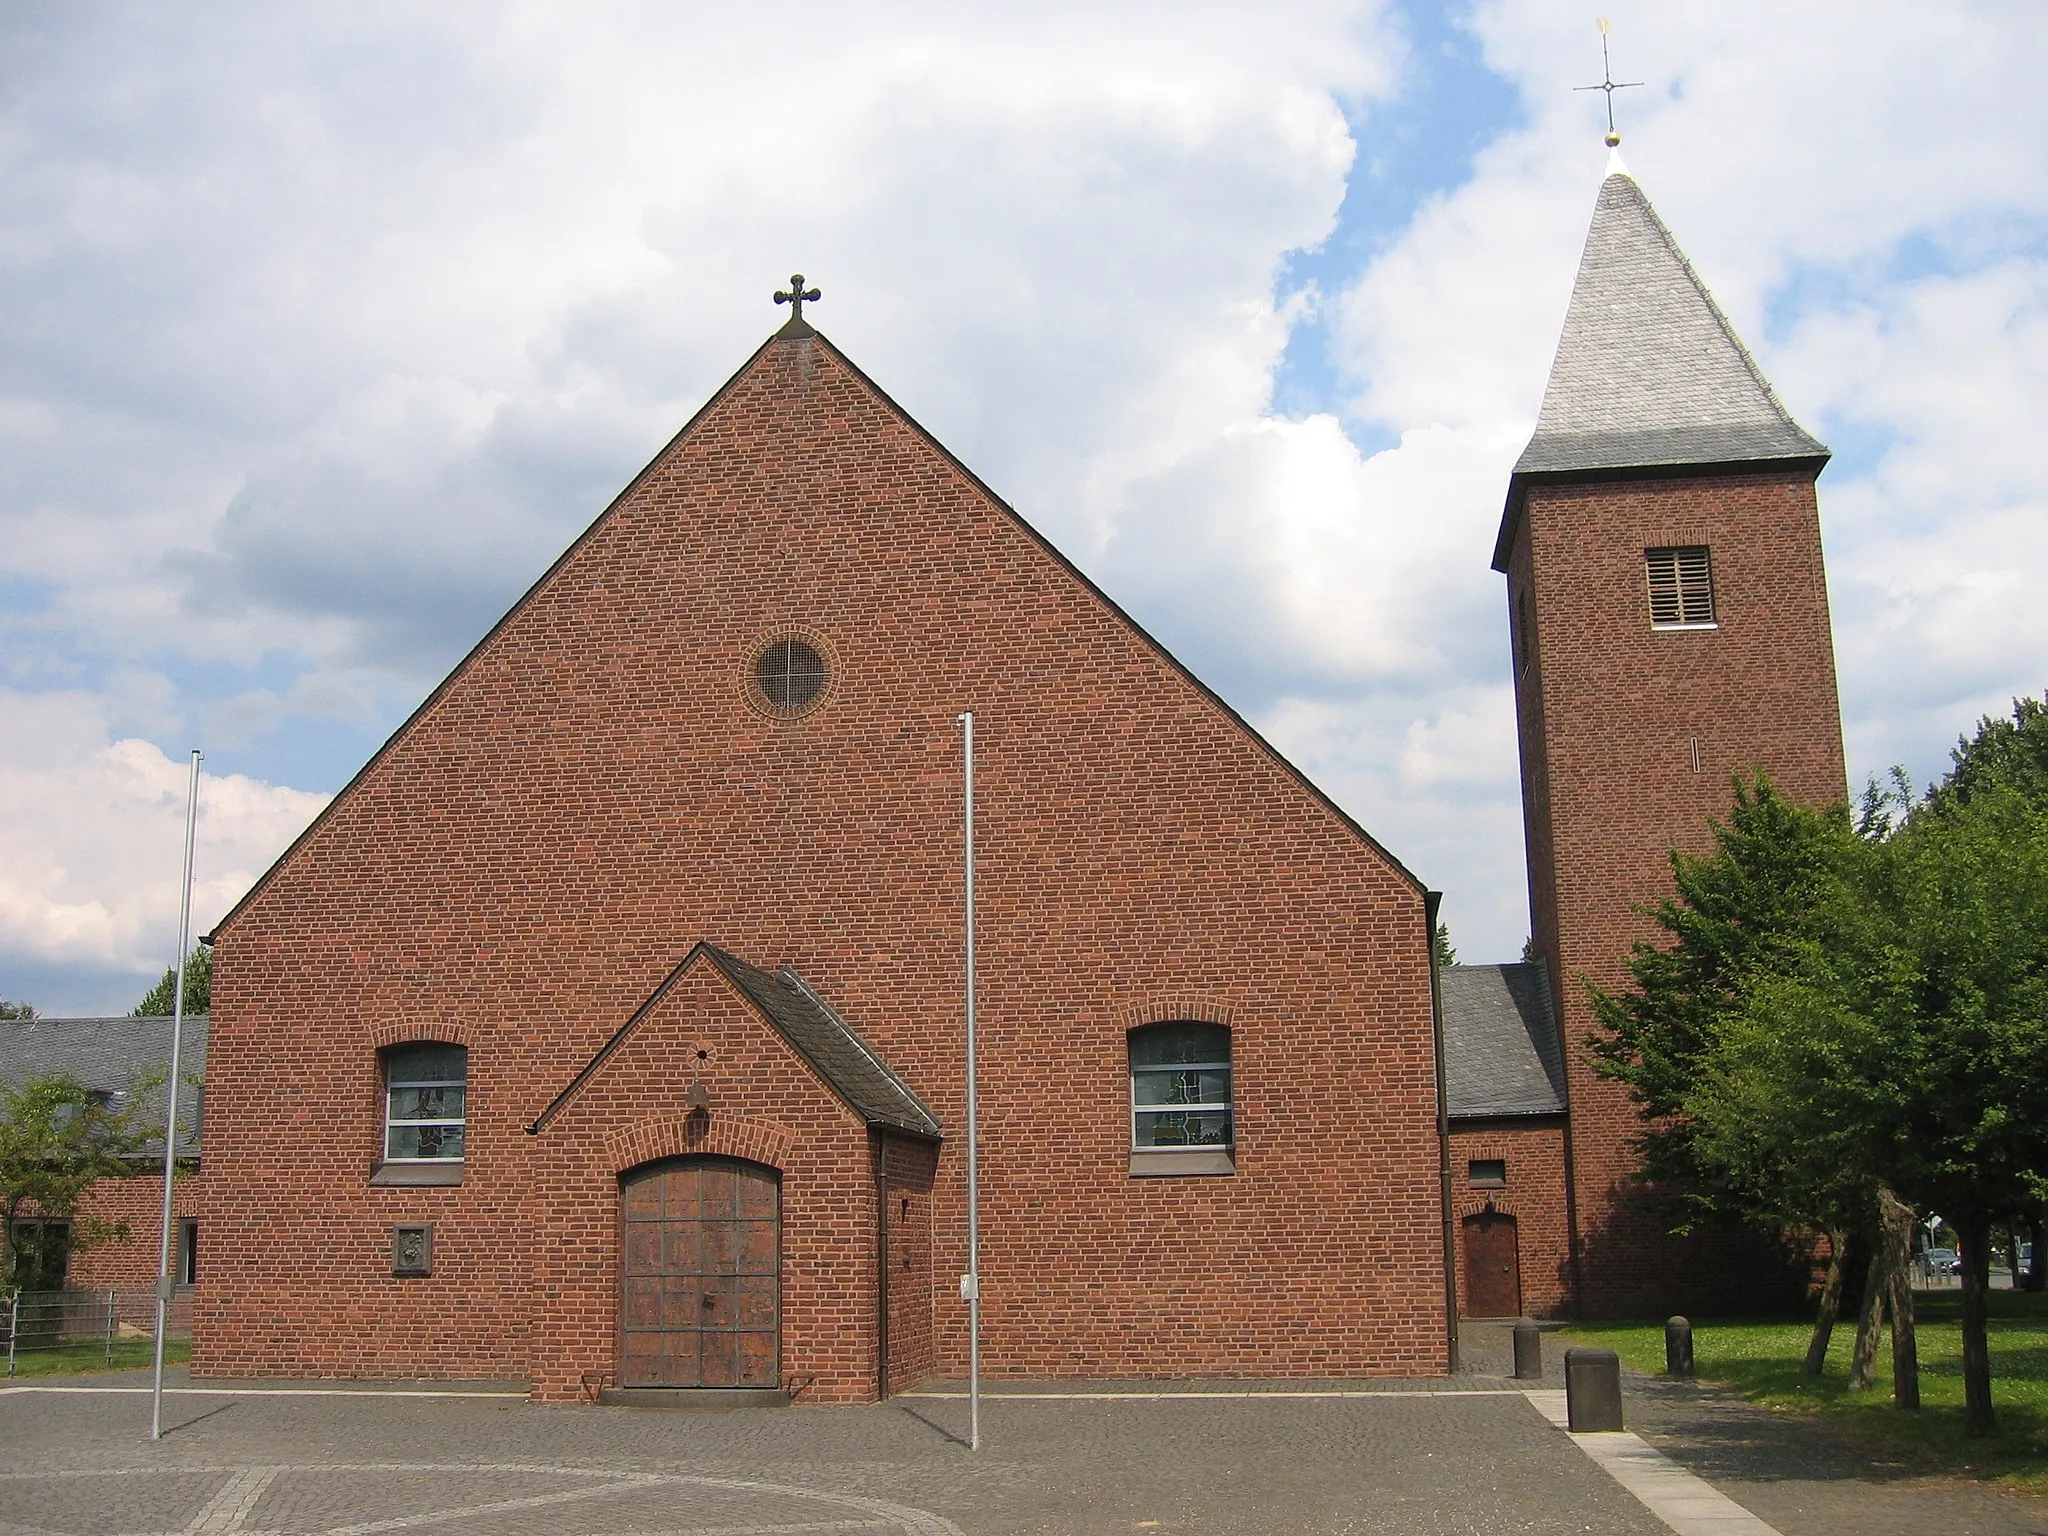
(1870, 1325)
(2037, 1267)
(1975, 1231)
(1830, 1304)
(1897, 1248)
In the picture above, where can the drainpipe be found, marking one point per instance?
(1431, 901)
(878, 1151)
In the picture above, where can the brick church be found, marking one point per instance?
(606, 1032)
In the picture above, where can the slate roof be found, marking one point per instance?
(1501, 1052)
(1648, 374)
(109, 1055)
(848, 1065)
(838, 1055)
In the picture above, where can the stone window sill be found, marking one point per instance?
(1176, 1164)
(418, 1175)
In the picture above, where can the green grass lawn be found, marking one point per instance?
(72, 1359)
(1761, 1361)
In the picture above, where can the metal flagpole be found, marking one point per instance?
(970, 1283)
(163, 1251)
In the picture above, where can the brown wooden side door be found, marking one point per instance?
(701, 1303)
(1493, 1267)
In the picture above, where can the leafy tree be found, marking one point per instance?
(1956, 1071)
(56, 1138)
(161, 998)
(1755, 931)
(2010, 752)
(1441, 943)
(1762, 903)
(1853, 1019)
(17, 1010)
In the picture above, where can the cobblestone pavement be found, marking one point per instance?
(1427, 1463)
(1789, 1471)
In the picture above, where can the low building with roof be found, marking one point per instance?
(115, 1058)
(1504, 1080)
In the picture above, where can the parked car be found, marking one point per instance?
(1941, 1261)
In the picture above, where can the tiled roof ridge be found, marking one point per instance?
(896, 1084)
(753, 982)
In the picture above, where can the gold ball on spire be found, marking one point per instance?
(1614, 141)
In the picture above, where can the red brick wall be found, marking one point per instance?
(593, 794)
(911, 1168)
(128, 1261)
(1534, 1196)
(1607, 716)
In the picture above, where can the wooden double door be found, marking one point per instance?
(702, 1302)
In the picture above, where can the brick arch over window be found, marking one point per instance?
(419, 1032)
(1174, 1010)
(647, 1141)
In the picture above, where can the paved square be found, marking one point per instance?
(1331, 1459)
(79, 1464)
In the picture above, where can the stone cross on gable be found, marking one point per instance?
(796, 298)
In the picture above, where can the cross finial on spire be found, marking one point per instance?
(1608, 84)
(796, 298)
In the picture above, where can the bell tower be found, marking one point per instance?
(1668, 619)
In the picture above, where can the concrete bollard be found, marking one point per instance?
(1528, 1351)
(1592, 1390)
(1677, 1347)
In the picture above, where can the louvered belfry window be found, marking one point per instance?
(1681, 586)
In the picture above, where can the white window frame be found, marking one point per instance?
(1225, 1106)
(393, 1085)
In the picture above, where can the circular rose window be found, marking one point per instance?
(790, 675)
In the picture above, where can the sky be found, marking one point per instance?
(325, 328)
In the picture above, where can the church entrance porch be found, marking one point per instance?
(702, 1297)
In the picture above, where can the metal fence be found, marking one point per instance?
(82, 1321)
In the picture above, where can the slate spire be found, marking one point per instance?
(1649, 376)
(1648, 370)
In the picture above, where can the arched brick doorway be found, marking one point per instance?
(701, 1302)
(1493, 1266)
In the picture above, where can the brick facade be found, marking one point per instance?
(1611, 714)
(127, 1260)
(1534, 1195)
(596, 789)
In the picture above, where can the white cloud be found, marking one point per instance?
(338, 324)
(1444, 770)
(94, 835)
(335, 324)
(414, 292)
